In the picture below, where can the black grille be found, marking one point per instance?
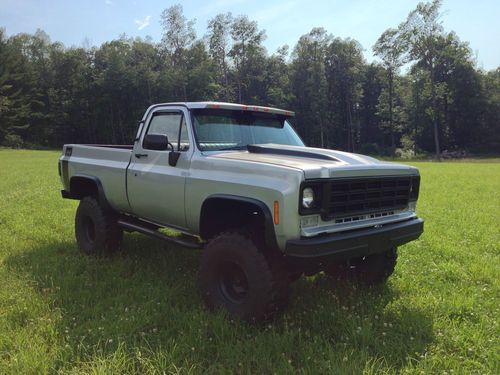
(357, 196)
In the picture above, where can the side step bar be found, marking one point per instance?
(136, 225)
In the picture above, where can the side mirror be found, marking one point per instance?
(157, 142)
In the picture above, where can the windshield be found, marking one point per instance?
(218, 130)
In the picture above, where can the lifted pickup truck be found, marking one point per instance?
(239, 182)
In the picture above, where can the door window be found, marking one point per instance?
(173, 125)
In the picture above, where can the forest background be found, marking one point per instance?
(425, 95)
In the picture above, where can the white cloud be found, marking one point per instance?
(141, 24)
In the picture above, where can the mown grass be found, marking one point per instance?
(139, 312)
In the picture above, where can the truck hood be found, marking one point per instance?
(317, 162)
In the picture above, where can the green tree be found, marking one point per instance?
(310, 86)
(201, 73)
(51, 94)
(488, 134)
(459, 96)
(178, 36)
(278, 90)
(114, 82)
(218, 36)
(14, 108)
(390, 48)
(344, 73)
(29, 80)
(247, 54)
(421, 32)
(371, 133)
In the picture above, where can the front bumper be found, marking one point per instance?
(356, 243)
(66, 194)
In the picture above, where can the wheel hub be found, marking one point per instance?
(233, 282)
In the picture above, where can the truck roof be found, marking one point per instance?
(234, 106)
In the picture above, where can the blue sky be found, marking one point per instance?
(97, 21)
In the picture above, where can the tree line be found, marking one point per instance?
(425, 95)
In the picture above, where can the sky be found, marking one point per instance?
(92, 22)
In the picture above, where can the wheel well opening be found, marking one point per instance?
(81, 187)
(222, 214)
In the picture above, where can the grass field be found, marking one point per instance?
(139, 312)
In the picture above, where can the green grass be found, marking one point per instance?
(139, 312)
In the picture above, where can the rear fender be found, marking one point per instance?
(81, 186)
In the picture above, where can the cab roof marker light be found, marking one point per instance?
(245, 107)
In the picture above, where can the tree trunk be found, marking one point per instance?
(113, 135)
(120, 125)
(89, 125)
(239, 91)
(184, 91)
(226, 81)
(391, 94)
(321, 132)
(434, 114)
(350, 146)
(446, 125)
(149, 92)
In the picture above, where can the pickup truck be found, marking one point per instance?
(237, 181)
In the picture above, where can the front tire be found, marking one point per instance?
(96, 230)
(235, 276)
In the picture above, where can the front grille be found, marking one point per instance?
(356, 196)
(373, 215)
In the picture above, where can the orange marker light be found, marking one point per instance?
(276, 213)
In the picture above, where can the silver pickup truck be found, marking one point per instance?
(238, 182)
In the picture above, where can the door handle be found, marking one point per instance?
(141, 156)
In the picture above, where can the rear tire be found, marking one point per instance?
(370, 270)
(235, 276)
(96, 230)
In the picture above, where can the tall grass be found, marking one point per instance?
(139, 312)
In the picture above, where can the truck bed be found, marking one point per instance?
(107, 162)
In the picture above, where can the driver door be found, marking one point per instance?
(156, 189)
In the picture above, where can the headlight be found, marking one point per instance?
(307, 198)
